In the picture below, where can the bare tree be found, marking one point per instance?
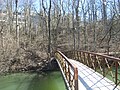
(73, 26)
(94, 22)
(49, 30)
(77, 22)
(84, 12)
(55, 23)
(17, 30)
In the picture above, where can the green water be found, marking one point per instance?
(32, 81)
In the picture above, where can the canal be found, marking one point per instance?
(32, 81)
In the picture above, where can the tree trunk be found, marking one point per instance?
(77, 23)
(17, 30)
(73, 27)
(105, 24)
(49, 38)
(94, 21)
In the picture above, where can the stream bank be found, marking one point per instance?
(27, 61)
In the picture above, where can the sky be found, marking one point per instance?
(37, 4)
(1, 1)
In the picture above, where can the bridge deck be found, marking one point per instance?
(91, 80)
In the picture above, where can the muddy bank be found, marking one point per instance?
(27, 61)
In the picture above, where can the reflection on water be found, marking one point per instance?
(26, 81)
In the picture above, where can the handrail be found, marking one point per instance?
(73, 66)
(67, 66)
(108, 66)
(106, 56)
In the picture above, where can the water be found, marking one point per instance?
(32, 81)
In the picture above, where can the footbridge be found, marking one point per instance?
(84, 70)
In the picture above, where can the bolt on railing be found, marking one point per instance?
(108, 66)
(70, 70)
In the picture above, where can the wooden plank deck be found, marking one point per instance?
(91, 80)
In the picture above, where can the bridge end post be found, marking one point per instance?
(76, 78)
(116, 73)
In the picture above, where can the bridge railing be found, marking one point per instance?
(108, 66)
(70, 70)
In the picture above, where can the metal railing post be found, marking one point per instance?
(116, 72)
(76, 78)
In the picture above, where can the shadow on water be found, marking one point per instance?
(32, 81)
(47, 81)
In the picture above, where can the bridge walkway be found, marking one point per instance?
(88, 79)
(84, 76)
